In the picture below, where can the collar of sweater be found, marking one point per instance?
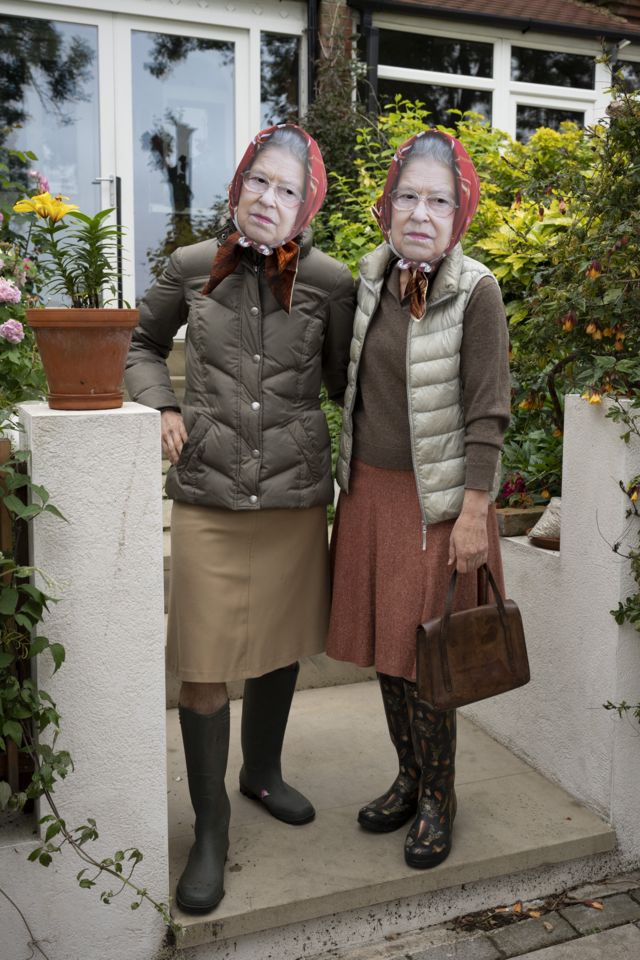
(373, 267)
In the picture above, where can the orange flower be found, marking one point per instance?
(634, 495)
(595, 397)
(590, 328)
(594, 270)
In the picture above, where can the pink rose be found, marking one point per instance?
(9, 293)
(12, 330)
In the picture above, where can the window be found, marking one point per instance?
(627, 75)
(442, 54)
(529, 118)
(279, 71)
(437, 99)
(551, 67)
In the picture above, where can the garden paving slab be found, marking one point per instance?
(338, 752)
(477, 948)
(618, 909)
(526, 935)
(624, 883)
(619, 943)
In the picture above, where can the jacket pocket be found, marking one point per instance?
(195, 439)
(309, 447)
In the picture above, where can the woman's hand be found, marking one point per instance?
(174, 435)
(469, 543)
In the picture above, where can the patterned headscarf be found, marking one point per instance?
(281, 262)
(467, 195)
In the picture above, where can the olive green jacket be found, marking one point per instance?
(257, 437)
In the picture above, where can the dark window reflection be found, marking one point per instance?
(528, 119)
(279, 72)
(437, 100)
(627, 75)
(420, 52)
(552, 67)
(49, 105)
(183, 140)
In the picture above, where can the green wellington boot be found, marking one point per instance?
(265, 711)
(428, 842)
(399, 803)
(206, 748)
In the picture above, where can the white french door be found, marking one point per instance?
(148, 113)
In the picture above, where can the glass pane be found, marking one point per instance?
(528, 119)
(438, 100)
(183, 143)
(49, 104)
(557, 69)
(279, 71)
(420, 52)
(628, 75)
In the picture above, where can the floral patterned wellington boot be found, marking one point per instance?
(428, 842)
(399, 803)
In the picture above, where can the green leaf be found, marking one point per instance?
(8, 601)
(52, 831)
(56, 513)
(38, 644)
(58, 653)
(13, 504)
(12, 729)
(6, 659)
(45, 859)
(5, 794)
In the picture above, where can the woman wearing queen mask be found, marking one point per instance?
(424, 417)
(268, 318)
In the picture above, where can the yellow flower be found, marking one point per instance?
(595, 397)
(38, 205)
(558, 432)
(45, 206)
(58, 209)
(590, 328)
(545, 494)
(634, 495)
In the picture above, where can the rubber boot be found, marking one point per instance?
(206, 749)
(428, 842)
(265, 711)
(399, 803)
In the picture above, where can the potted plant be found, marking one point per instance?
(83, 346)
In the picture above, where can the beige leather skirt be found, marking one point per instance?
(249, 591)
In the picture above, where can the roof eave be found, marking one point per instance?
(615, 33)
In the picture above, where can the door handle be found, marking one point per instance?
(115, 200)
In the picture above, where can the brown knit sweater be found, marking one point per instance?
(381, 433)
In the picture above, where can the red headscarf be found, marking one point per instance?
(281, 262)
(468, 196)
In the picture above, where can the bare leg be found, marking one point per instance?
(204, 698)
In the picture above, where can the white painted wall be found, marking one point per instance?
(579, 657)
(102, 470)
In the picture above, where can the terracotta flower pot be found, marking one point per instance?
(83, 354)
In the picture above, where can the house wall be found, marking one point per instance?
(580, 658)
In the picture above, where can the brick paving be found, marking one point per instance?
(574, 931)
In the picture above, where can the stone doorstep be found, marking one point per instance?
(510, 819)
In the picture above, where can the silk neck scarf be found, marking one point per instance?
(468, 196)
(281, 262)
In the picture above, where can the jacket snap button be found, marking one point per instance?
(255, 453)
(253, 498)
(255, 405)
(256, 358)
(254, 311)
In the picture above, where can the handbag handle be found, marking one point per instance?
(444, 623)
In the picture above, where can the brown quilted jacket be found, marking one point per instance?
(257, 436)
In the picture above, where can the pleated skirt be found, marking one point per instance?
(383, 583)
(249, 591)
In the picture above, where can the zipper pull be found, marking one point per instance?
(424, 535)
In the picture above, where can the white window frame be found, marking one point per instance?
(506, 93)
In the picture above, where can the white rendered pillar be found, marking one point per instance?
(103, 471)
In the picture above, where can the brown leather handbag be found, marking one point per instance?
(472, 654)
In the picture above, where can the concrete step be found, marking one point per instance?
(298, 891)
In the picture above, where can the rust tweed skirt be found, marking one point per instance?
(383, 584)
(249, 591)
